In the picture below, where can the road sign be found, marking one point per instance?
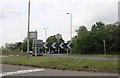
(37, 43)
(58, 36)
(61, 45)
(57, 45)
(45, 45)
(68, 45)
(53, 45)
(33, 35)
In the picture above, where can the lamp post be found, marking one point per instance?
(70, 25)
(45, 36)
(28, 29)
(45, 32)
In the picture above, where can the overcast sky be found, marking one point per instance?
(52, 14)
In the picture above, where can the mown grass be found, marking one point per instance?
(64, 64)
(97, 55)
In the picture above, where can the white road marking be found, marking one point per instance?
(20, 72)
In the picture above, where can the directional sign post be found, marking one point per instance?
(53, 45)
(61, 45)
(45, 46)
(33, 34)
(58, 46)
(37, 44)
(58, 37)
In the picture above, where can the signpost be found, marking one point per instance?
(57, 46)
(37, 44)
(58, 37)
(33, 35)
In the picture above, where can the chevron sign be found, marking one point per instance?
(57, 45)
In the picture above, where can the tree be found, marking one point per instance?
(92, 41)
(99, 26)
(112, 37)
(81, 29)
(24, 45)
(10, 46)
(52, 39)
(80, 41)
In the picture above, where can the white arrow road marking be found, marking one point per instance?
(61, 45)
(45, 45)
(53, 45)
(20, 72)
(69, 45)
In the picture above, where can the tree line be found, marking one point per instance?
(91, 42)
(85, 42)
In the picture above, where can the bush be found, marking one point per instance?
(12, 52)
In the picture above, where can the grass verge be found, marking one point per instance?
(96, 55)
(64, 64)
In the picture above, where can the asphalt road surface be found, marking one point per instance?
(12, 70)
(82, 57)
(93, 57)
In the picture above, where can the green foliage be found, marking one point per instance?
(14, 52)
(19, 45)
(89, 42)
(13, 46)
(24, 45)
(53, 39)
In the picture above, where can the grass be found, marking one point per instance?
(96, 55)
(64, 64)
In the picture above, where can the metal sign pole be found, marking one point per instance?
(45, 51)
(58, 47)
(67, 51)
(28, 29)
(49, 51)
(36, 47)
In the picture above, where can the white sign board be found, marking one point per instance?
(38, 43)
(33, 35)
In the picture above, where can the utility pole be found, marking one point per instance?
(28, 29)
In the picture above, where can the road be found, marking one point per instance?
(82, 57)
(93, 57)
(12, 70)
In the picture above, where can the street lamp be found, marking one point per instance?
(28, 29)
(45, 32)
(70, 25)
